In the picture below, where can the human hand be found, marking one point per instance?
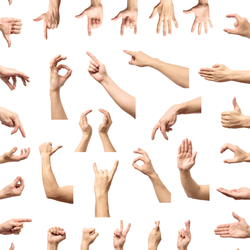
(10, 157)
(106, 123)
(147, 168)
(218, 73)
(96, 69)
(103, 179)
(8, 26)
(11, 119)
(202, 15)
(10, 2)
(166, 122)
(56, 80)
(165, 10)
(12, 247)
(186, 157)
(88, 237)
(51, 18)
(6, 74)
(13, 189)
(139, 58)
(120, 236)
(239, 154)
(55, 235)
(13, 226)
(95, 16)
(86, 128)
(234, 118)
(238, 229)
(154, 237)
(237, 194)
(242, 26)
(46, 149)
(129, 19)
(184, 237)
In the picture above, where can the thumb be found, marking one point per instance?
(154, 12)
(236, 106)
(7, 38)
(55, 149)
(188, 11)
(95, 235)
(84, 13)
(194, 156)
(216, 66)
(16, 180)
(117, 17)
(13, 150)
(12, 246)
(38, 19)
(230, 31)
(237, 217)
(230, 161)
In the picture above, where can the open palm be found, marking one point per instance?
(185, 157)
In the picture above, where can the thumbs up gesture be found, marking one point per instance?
(234, 118)
(8, 26)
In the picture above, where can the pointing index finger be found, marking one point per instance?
(131, 53)
(93, 57)
(95, 168)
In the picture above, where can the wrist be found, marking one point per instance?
(84, 245)
(45, 159)
(246, 122)
(54, 5)
(203, 2)
(3, 195)
(182, 248)
(2, 159)
(106, 80)
(86, 136)
(118, 248)
(132, 5)
(246, 157)
(54, 92)
(96, 2)
(100, 194)
(52, 246)
(152, 246)
(153, 176)
(103, 135)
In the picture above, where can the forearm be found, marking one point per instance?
(96, 2)
(161, 191)
(154, 247)
(192, 189)
(84, 246)
(52, 246)
(107, 145)
(177, 74)
(102, 206)
(83, 145)
(124, 100)
(54, 5)
(239, 76)
(203, 2)
(193, 106)
(57, 110)
(132, 4)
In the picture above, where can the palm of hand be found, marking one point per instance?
(238, 229)
(184, 161)
(201, 13)
(99, 75)
(183, 242)
(119, 240)
(243, 193)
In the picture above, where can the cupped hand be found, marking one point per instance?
(55, 235)
(56, 80)
(238, 229)
(120, 236)
(11, 119)
(10, 157)
(242, 26)
(97, 69)
(86, 128)
(234, 118)
(103, 179)
(239, 154)
(88, 236)
(106, 123)
(51, 20)
(8, 26)
(138, 58)
(165, 9)
(14, 189)
(165, 123)
(47, 150)
(7, 73)
(186, 157)
(237, 194)
(129, 19)
(147, 168)
(184, 236)
(154, 237)
(218, 73)
(95, 17)
(202, 15)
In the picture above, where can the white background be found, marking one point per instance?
(131, 196)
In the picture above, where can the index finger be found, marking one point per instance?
(227, 146)
(113, 170)
(93, 57)
(45, 30)
(89, 26)
(156, 127)
(157, 224)
(163, 131)
(86, 112)
(127, 229)
(95, 168)
(104, 112)
(121, 226)
(23, 220)
(131, 53)
(54, 60)
(236, 16)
